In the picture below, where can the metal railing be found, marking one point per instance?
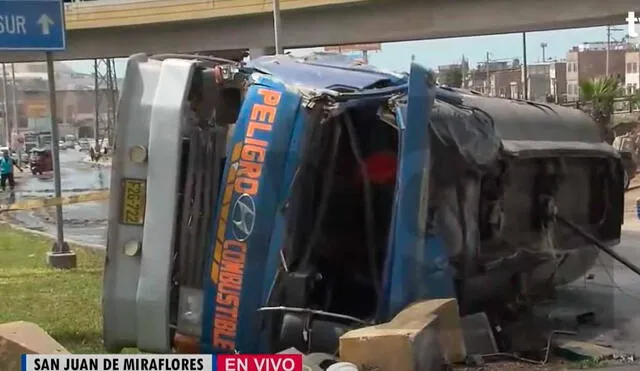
(621, 105)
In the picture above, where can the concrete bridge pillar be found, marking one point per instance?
(260, 52)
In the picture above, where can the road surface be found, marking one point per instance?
(614, 290)
(84, 223)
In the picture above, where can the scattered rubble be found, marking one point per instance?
(430, 335)
(424, 336)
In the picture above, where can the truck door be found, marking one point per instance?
(417, 263)
(252, 187)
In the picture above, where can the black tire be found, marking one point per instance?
(33, 172)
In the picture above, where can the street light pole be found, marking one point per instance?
(524, 66)
(276, 26)
(606, 69)
(7, 130)
(488, 80)
(61, 256)
(14, 109)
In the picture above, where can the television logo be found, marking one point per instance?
(631, 21)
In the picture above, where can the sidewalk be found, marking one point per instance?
(19, 175)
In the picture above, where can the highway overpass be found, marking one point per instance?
(112, 28)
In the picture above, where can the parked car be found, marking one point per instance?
(84, 145)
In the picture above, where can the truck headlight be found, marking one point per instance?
(132, 248)
(138, 154)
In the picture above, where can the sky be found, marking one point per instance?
(431, 53)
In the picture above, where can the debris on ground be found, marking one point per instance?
(478, 334)
(313, 361)
(574, 350)
(424, 336)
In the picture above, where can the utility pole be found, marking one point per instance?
(276, 26)
(106, 96)
(486, 67)
(463, 72)
(544, 47)
(14, 108)
(606, 68)
(7, 130)
(608, 48)
(524, 66)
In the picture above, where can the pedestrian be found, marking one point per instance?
(92, 154)
(6, 171)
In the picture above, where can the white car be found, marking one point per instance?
(84, 145)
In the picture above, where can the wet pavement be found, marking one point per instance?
(84, 223)
(612, 292)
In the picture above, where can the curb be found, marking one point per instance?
(82, 245)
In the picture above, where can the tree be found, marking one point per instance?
(600, 94)
(452, 77)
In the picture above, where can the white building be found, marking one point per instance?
(632, 73)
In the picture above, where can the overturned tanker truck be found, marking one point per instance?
(255, 204)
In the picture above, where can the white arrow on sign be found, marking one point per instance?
(45, 22)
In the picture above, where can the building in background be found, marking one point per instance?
(76, 98)
(538, 81)
(505, 83)
(632, 75)
(457, 71)
(589, 61)
(558, 81)
(481, 80)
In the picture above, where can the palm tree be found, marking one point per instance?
(600, 93)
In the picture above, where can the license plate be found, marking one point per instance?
(134, 197)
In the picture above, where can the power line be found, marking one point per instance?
(609, 29)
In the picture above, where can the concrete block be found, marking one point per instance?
(17, 338)
(66, 260)
(414, 346)
(450, 335)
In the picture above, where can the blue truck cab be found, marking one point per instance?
(222, 185)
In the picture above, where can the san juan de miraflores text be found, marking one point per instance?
(115, 364)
